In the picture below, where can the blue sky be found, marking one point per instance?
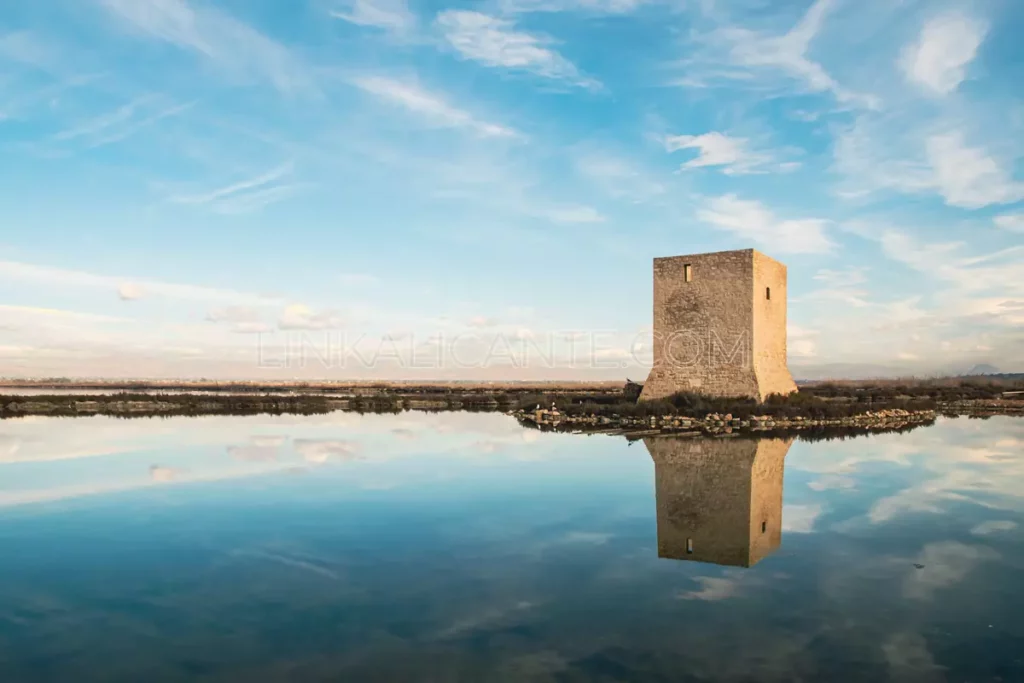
(187, 182)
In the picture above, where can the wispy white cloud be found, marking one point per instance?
(241, 319)
(430, 106)
(1014, 222)
(358, 279)
(590, 6)
(754, 222)
(101, 123)
(16, 314)
(909, 658)
(235, 48)
(495, 42)
(846, 286)
(801, 342)
(847, 277)
(130, 291)
(121, 123)
(620, 178)
(23, 104)
(870, 158)
(995, 526)
(9, 447)
(747, 51)
(967, 306)
(252, 328)
(322, 450)
(60, 278)
(945, 564)
(255, 201)
(874, 157)
(969, 177)
(938, 60)
(713, 589)
(946, 261)
(158, 473)
(392, 15)
(800, 519)
(573, 214)
(498, 179)
(731, 154)
(301, 317)
(26, 48)
(250, 194)
(254, 452)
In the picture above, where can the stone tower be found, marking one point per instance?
(718, 500)
(719, 326)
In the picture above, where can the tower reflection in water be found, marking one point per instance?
(719, 500)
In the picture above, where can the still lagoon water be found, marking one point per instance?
(461, 547)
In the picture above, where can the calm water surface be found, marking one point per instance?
(460, 547)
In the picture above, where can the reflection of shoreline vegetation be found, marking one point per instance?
(817, 433)
(841, 433)
(802, 404)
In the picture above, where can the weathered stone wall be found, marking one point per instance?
(715, 495)
(703, 328)
(769, 347)
(766, 497)
(717, 334)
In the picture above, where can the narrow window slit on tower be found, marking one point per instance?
(764, 527)
(689, 546)
(768, 293)
(687, 273)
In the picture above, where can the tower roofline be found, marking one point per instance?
(706, 253)
(725, 252)
(767, 257)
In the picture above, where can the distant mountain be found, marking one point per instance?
(812, 374)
